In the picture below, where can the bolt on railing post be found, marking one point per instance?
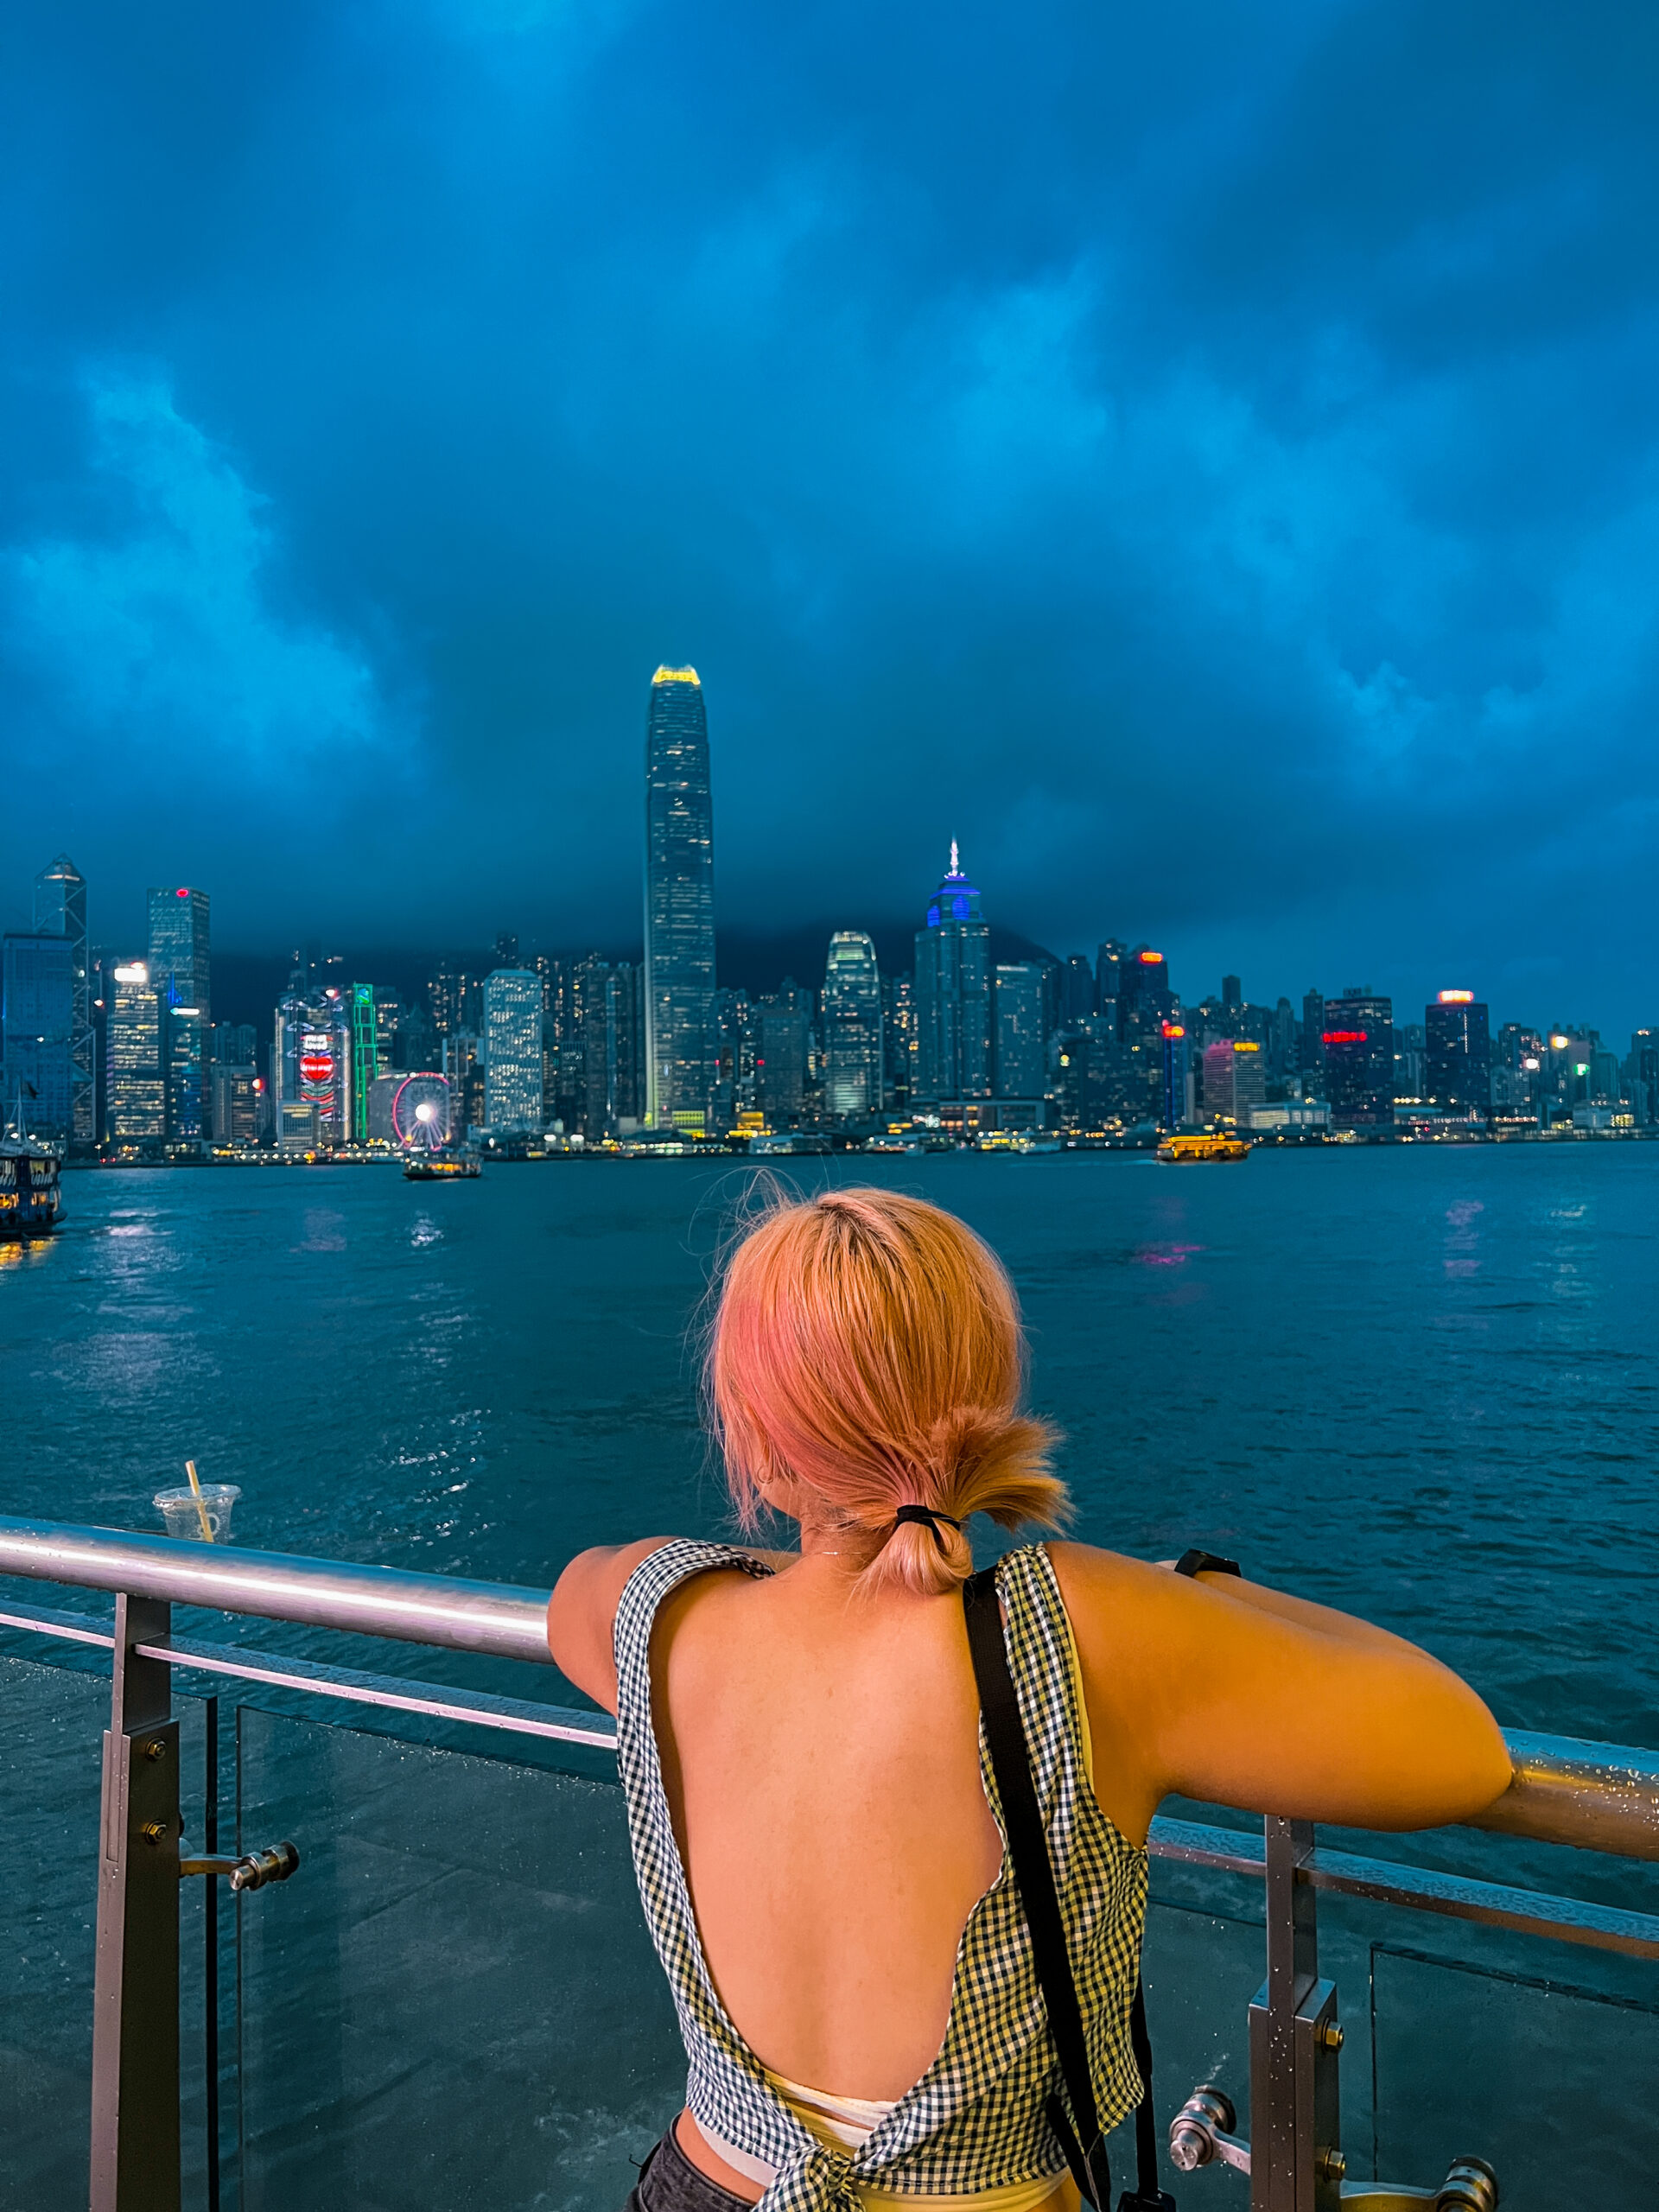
(135, 2147)
(1295, 2119)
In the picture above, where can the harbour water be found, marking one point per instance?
(1415, 1382)
(1419, 1383)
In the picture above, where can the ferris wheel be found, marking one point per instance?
(420, 1112)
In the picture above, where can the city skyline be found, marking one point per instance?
(973, 1047)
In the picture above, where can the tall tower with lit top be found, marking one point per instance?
(953, 992)
(679, 903)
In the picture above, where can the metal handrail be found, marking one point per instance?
(1599, 1796)
(497, 1618)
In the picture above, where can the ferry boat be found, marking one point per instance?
(1206, 1145)
(440, 1168)
(31, 1203)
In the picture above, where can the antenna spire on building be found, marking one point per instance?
(956, 865)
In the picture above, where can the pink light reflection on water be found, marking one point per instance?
(1165, 1255)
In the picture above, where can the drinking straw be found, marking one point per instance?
(201, 1502)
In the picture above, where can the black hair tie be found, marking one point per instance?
(926, 1517)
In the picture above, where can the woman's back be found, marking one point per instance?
(821, 1758)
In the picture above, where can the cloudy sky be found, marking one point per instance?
(1205, 458)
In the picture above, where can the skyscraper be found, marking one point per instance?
(370, 1050)
(1144, 999)
(1175, 1074)
(136, 1091)
(1022, 1046)
(179, 964)
(679, 903)
(605, 999)
(1313, 1044)
(1078, 992)
(180, 970)
(1358, 1042)
(781, 1070)
(61, 911)
(37, 993)
(953, 992)
(852, 1026)
(311, 1066)
(512, 1049)
(1457, 1054)
(189, 1073)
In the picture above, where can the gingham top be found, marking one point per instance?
(974, 2120)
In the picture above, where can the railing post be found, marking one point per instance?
(1295, 2116)
(134, 2161)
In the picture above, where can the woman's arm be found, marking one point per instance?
(581, 1613)
(1224, 1691)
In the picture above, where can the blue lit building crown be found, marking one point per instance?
(955, 899)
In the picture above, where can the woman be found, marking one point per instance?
(815, 1828)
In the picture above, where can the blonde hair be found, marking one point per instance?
(869, 1345)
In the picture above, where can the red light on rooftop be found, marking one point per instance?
(1150, 959)
(1174, 1029)
(1457, 998)
(1346, 1036)
(180, 894)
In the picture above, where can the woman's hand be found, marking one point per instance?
(1222, 1690)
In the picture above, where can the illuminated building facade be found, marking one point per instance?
(37, 1001)
(852, 1026)
(180, 970)
(61, 911)
(899, 1037)
(180, 958)
(679, 903)
(1313, 1054)
(1022, 1046)
(1177, 1099)
(1457, 1054)
(953, 992)
(136, 1085)
(312, 1065)
(511, 1050)
(1358, 1039)
(373, 1026)
(237, 1095)
(184, 1052)
(1144, 999)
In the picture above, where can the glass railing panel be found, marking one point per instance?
(50, 1748)
(1201, 1969)
(454, 2001)
(1551, 2083)
(51, 1751)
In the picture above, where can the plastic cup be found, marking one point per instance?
(178, 1509)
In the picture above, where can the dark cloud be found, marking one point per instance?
(1206, 459)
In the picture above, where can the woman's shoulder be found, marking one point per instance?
(582, 1612)
(1112, 1598)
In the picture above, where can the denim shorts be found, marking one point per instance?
(669, 2183)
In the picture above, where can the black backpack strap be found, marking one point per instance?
(1079, 2135)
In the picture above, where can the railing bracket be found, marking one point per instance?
(252, 1871)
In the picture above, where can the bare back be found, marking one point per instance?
(820, 1754)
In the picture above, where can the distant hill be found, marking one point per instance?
(247, 985)
(758, 960)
